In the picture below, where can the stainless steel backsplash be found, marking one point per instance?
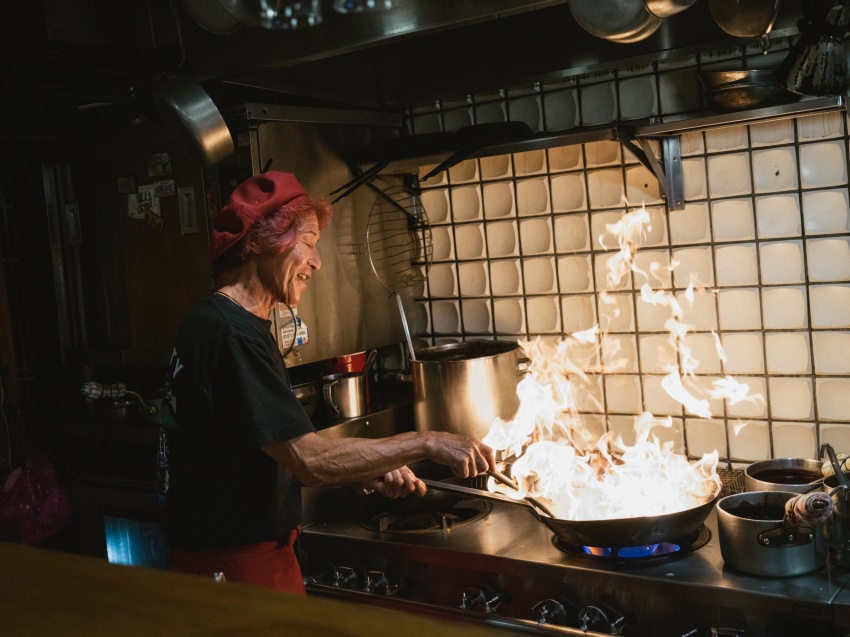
(346, 308)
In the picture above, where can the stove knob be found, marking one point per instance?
(344, 577)
(483, 598)
(602, 618)
(378, 584)
(550, 611)
(471, 598)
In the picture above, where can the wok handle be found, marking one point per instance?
(498, 476)
(476, 493)
(480, 493)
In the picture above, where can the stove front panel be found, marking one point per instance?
(507, 564)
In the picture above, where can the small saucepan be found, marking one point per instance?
(796, 475)
(756, 536)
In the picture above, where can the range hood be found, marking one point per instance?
(77, 65)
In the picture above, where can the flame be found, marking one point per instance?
(733, 391)
(610, 479)
(555, 455)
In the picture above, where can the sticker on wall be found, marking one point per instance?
(133, 210)
(159, 164)
(188, 214)
(164, 188)
(147, 201)
(154, 223)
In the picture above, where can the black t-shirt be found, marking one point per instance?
(231, 394)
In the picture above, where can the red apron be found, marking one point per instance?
(269, 564)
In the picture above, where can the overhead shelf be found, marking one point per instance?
(668, 170)
(634, 136)
(615, 132)
(809, 106)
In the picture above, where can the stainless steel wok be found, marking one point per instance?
(613, 533)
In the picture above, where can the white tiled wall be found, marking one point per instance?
(765, 234)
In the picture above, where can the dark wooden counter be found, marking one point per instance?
(63, 595)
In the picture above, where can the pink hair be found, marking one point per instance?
(274, 233)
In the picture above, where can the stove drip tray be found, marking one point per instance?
(444, 518)
(634, 554)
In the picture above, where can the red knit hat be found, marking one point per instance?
(253, 199)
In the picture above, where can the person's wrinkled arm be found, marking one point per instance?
(319, 461)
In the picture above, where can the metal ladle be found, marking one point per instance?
(843, 484)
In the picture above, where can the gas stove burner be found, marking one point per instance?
(455, 514)
(634, 552)
(631, 554)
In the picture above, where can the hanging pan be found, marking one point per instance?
(193, 119)
(398, 239)
(186, 110)
(622, 21)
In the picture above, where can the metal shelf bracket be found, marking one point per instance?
(669, 174)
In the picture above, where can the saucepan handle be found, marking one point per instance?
(326, 390)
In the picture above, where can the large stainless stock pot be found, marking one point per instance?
(462, 387)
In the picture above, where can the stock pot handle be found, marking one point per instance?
(522, 366)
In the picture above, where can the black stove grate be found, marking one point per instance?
(458, 512)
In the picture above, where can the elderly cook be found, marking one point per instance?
(237, 446)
